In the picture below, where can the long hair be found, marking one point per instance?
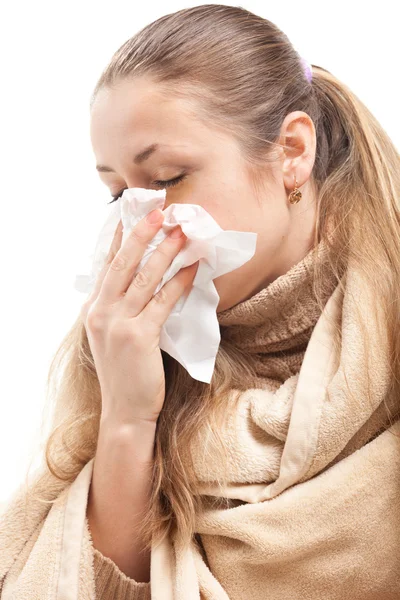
(246, 77)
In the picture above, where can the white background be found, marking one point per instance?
(52, 200)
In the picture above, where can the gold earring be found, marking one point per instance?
(295, 195)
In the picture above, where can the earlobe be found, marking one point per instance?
(295, 174)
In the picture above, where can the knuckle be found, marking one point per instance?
(94, 320)
(138, 234)
(119, 262)
(161, 297)
(164, 251)
(142, 278)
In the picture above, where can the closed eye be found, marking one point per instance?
(159, 182)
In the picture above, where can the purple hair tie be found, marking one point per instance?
(307, 68)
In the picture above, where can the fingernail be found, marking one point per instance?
(154, 216)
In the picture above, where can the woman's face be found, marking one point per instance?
(134, 115)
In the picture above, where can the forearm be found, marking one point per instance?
(119, 494)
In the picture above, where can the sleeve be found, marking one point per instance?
(113, 584)
(110, 582)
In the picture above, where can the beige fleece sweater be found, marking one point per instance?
(314, 473)
(111, 582)
(274, 326)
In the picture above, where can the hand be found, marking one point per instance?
(123, 321)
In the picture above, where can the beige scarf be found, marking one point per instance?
(314, 470)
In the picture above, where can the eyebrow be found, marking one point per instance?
(138, 159)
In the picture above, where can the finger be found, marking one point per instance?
(160, 306)
(115, 245)
(145, 282)
(124, 264)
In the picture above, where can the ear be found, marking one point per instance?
(298, 141)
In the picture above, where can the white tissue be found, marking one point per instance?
(191, 333)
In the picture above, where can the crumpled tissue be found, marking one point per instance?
(191, 333)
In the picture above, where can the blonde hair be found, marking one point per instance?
(246, 77)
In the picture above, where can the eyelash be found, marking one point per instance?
(163, 184)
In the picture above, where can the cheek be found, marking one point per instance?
(212, 203)
(184, 193)
(231, 207)
(243, 282)
(234, 207)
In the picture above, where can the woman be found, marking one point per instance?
(280, 479)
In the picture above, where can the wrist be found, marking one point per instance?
(112, 415)
(116, 423)
(135, 436)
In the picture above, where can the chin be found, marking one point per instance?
(231, 290)
(225, 300)
(221, 307)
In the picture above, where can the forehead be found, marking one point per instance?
(139, 110)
